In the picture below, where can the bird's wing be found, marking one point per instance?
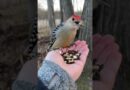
(54, 34)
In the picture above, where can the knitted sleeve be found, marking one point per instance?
(54, 77)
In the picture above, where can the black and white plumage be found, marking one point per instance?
(53, 35)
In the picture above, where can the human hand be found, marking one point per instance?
(74, 70)
(106, 52)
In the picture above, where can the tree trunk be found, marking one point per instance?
(67, 8)
(61, 11)
(86, 31)
(51, 14)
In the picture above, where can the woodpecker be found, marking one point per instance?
(64, 34)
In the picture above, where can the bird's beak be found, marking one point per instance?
(81, 23)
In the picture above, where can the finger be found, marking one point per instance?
(82, 48)
(97, 85)
(96, 38)
(80, 42)
(77, 42)
(108, 74)
(84, 54)
(80, 45)
(101, 45)
(106, 52)
(73, 47)
(109, 36)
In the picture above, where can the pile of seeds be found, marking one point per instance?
(70, 56)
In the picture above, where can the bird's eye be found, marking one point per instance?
(73, 19)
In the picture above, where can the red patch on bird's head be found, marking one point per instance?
(76, 17)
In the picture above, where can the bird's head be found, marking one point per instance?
(75, 21)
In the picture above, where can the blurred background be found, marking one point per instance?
(17, 18)
(113, 17)
(21, 20)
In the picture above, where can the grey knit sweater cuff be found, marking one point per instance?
(54, 77)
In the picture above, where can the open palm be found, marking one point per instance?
(74, 70)
(106, 52)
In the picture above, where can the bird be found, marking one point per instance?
(64, 34)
